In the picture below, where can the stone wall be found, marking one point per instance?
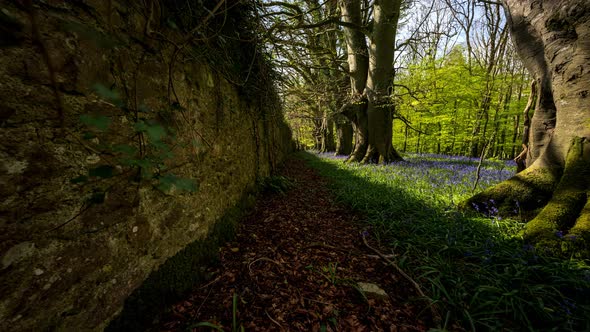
(110, 117)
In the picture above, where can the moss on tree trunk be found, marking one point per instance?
(525, 192)
(569, 197)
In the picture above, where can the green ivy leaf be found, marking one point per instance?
(143, 109)
(185, 184)
(100, 122)
(126, 149)
(89, 33)
(168, 181)
(107, 93)
(140, 126)
(155, 132)
(88, 135)
(79, 179)
(97, 197)
(102, 171)
(171, 24)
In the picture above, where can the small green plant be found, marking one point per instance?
(329, 272)
(235, 327)
(277, 184)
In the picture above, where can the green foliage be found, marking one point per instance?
(169, 181)
(443, 99)
(102, 171)
(145, 155)
(276, 184)
(107, 94)
(99, 122)
(480, 274)
(99, 38)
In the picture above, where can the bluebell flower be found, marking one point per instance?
(559, 234)
(475, 206)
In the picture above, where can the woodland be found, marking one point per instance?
(344, 165)
(431, 99)
(460, 78)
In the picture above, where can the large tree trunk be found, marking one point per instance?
(553, 39)
(344, 135)
(379, 82)
(358, 67)
(356, 112)
(327, 131)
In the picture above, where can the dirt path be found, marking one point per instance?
(294, 266)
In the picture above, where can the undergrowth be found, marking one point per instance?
(479, 274)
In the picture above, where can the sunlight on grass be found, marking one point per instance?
(480, 274)
(442, 180)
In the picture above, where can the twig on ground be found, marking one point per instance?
(211, 282)
(435, 315)
(322, 245)
(204, 300)
(377, 256)
(261, 259)
(274, 321)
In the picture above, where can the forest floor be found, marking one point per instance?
(295, 265)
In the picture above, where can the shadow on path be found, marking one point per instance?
(294, 265)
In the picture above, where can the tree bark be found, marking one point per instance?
(327, 132)
(553, 39)
(523, 156)
(344, 135)
(379, 83)
(358, 66)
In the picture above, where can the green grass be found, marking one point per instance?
(480, 275)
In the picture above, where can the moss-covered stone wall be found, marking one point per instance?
(108, 110)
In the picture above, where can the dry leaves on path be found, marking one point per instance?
(294, 266)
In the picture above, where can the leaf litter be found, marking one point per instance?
(295, 265)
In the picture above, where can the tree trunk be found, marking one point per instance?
(419, 135)
(379, 82)
(406, 137)
(361, 127)
(553, 39)
(523, 155)
(327, 131)
(344, 133)
(438, 138)
(358, 66)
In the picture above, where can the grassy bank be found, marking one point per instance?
(478, 272)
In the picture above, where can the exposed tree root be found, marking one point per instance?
(562, 198)
(581, 230)
(526, 192)
(569, 197)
